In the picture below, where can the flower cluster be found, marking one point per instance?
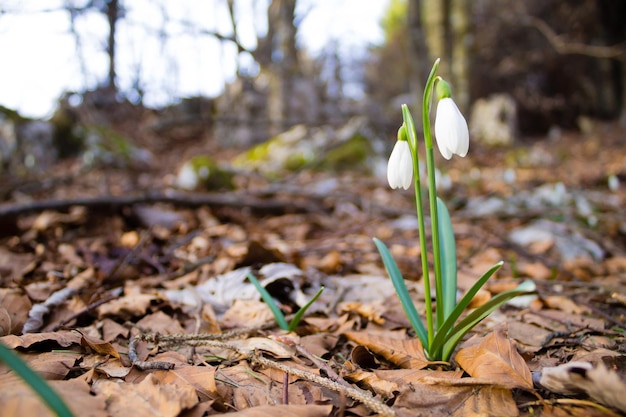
(445, 324)
(451, 133)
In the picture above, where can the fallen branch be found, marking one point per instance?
(364, 397)
(9, 212)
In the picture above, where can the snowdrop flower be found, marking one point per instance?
(400, 167)
(450, 126)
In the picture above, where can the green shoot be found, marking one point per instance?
(278, 314)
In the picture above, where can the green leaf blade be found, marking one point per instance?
(443, 333)
(447, 250)
(293, 324)
(476, 316)
(267, 298)
(402, 292)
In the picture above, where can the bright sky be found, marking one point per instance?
(40, 60)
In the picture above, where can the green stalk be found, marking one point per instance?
(432, 193)
(410, 127)
(267, 298)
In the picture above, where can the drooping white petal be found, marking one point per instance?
(406, 167)
(400, 166)
(451, 129)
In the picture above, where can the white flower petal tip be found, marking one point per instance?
(451, 129)
(400, 167)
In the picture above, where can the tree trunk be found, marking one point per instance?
(418, 53)
(433, 22)
(112, 16)
(459, 60)
(284, 66)
(446, 26)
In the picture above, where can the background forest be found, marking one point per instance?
(540, 65)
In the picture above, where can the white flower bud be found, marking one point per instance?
(400, 167)
(451, 129)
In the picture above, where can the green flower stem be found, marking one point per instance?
(410, 127)
(432, 192)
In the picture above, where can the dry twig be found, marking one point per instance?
(217, 341)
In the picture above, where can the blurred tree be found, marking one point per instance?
(282, 65)
(557, 60)
(113, 13)
(389, 71)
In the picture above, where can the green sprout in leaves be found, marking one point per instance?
(444, 331)
(278, 315)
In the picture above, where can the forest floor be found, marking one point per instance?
(136, 258)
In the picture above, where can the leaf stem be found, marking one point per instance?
(410, 127)
(432, 192)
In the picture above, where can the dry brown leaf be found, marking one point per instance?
(529, 336)
(285, 411)
(247, 313)
(19, 399)
(77, 395)
(202, 378)
(319, 344)
(372, 382)
(437, 393)
(275, 348)
(51, 365)
(111, 330)
(597, 355)
(489, 401)
(581, 408)
(49, 218)
(421, 376)
(68, 254)
(111, 367)
(372, 311)
(160, 322)
(565, 304)
(405, 353)
(61, 338)
(82, 280)
(241, 389)
(13, 266)
(557, 320)
(496, 359)
(131, 305)
(5, 322)
(99, 346)
(257, 389)
(472, 396)
(145, 399)
(501, 285)
(330, 263)
(129, 239)
(536, 270)
(481, 297)
(14, 311)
